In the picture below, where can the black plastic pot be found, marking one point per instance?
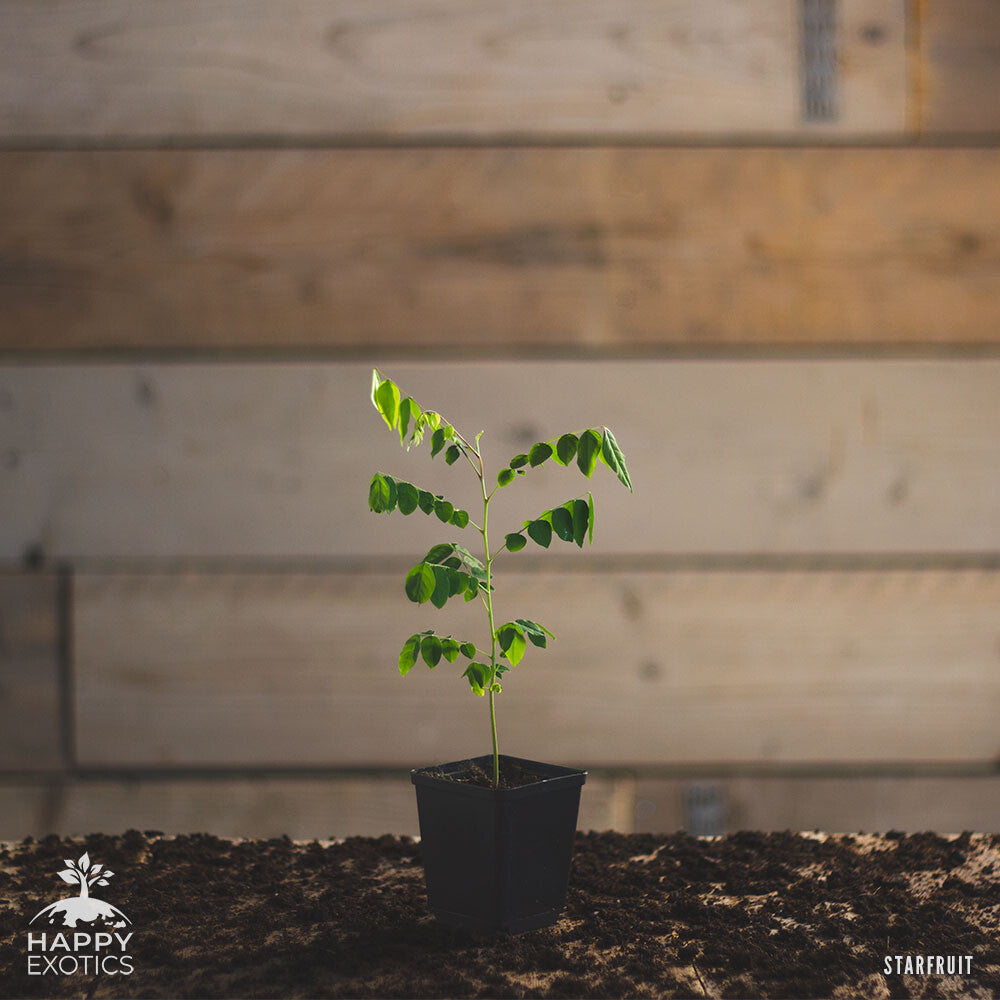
(497, 859)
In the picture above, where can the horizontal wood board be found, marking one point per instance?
(252, 806)
(307, 808)
(274, 460)
(109, 70)
(498, 250)
(652, 668)
(30, 723)
(960, 70)
(832, 804)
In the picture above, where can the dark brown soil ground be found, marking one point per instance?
(747, 915)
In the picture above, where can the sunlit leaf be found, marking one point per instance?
(611, 455)
(425, 501)
(505, 477)
(449, 649)
(517, 461)
(408, 655)
(511, 638)
(387, 402)
(460, 518)
(467, 649)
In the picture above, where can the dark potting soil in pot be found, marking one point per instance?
(776, 915)
(513, 774)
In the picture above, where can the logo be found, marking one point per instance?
(88, 932)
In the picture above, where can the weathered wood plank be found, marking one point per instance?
(303, 808)
(498, 249)
(854, 804)
(715, 667)
(274, 460)
(29, 672)
(109, 69)
(960, 69)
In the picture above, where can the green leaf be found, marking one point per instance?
(505, 476)
(387, 402)
(457, 581)
(587, 451)
(442, 586)
(515, 542)
(420, 582)
(453, 454)
(472, 590)
(590, 519)
(581, 517)
(540, 532)
(406, 497)
(512, 642)
(439, 553)
(376, 381)
(535, 632)
(430, 650)
(517, 461)
(408, 655)
(381, 497)
(495, 687)
(452, 562)
(444, 509)
(460, 518)
(425, 501)
(405, 409)
(449, 649)
(562, 523)
(566, 448)
(467, 649)
(437, 441)
(478, 675)
(539, 453)
(612, 457)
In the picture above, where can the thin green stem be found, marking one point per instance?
(493, 637)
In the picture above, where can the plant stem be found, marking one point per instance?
(493, 637)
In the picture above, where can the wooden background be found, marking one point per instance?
(215, 216)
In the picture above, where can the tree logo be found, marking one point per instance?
(82, 908)
(87, 937)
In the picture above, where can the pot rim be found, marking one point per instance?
(557, 776)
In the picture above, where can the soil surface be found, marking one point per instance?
(746, 915)
(512, 775)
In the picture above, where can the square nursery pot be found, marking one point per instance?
(497, 859)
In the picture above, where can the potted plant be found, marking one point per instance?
(496, 831)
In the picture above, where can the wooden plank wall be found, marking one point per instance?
(215, 219)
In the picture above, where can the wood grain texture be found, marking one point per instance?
(498, 249)
(112, 69)
(29, 672)
(274, 460)
(685, 667)
(960, 42)
(865, 804)
(303, 808)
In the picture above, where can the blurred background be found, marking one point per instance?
(760, 239)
